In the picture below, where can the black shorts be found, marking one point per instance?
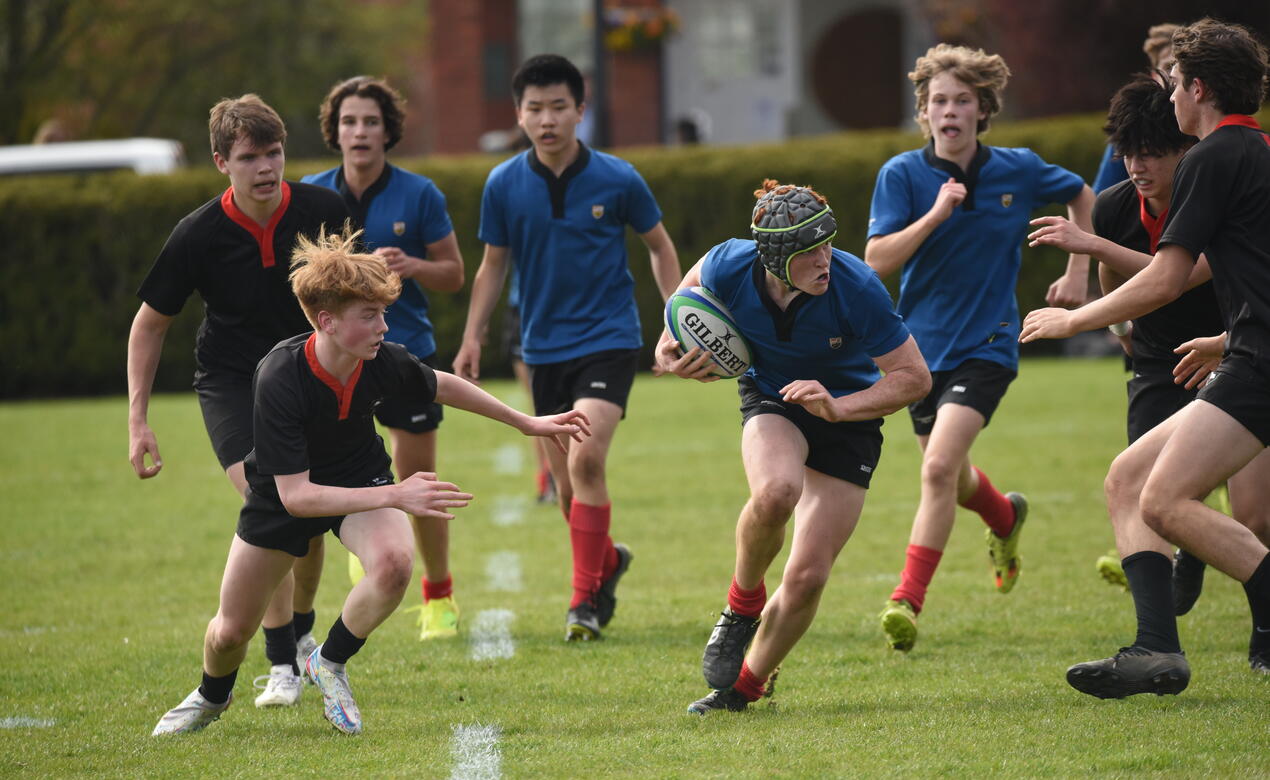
(226, 402)
(410, 415)
(1153, 398)
(607, 375)
(511, 334)
(979, 384)
(844, 450)
(1242, 392)
(264, 522)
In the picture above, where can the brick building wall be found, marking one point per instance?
(472, 56)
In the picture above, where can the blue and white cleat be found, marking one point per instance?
(337, 698)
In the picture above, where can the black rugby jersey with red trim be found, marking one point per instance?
(1121, 216)
(240, 270)
(1221, 207)
(306, 420)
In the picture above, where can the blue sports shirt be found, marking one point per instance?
(567, 238)
(830, 338)
(957, 290)
(404, 210)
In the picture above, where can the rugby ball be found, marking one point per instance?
(698, 319)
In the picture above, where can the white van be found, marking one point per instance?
(142, 155)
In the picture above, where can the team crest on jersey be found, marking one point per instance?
(835, 342)
(597, 210)
(398, 228)
(1007, 199)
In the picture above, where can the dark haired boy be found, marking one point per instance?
(1220, 207)
(1128, 218)
(233, 250)
(405, 221)
(560, 210)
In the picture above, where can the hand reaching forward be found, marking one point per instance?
(1046, 324)
(422, 496)
(572, 424)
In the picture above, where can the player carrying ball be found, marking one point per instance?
(820, 325)
(318, 465)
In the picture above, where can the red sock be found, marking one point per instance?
(437, 590)
(919, 567)
(748, 684)
(995, 509)
(589, 535)
(749, 603)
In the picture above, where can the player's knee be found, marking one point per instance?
(940, 471)
(586, 468)
(391, 570)
(1159, 511)
(773, 501)
(804, 584)
(1124, 481)
(226, 635)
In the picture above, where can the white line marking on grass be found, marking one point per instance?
(23, 722)
(491, 636)
(509, 510)
(475, 752)
(509, 459)
(502, 569)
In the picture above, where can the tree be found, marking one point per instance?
(153, 67)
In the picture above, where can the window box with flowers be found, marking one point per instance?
(638, 29)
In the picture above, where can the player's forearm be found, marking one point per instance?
(313, 500)
(1122, 260)
(1080, 211)
(666, 271)
(486, 286)
(1109, 279)
(461, 394)
(893, 392)
(145, 346)
(887, 254)
(442, 274)
(1143, 294)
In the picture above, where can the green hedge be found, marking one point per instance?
(77, 247)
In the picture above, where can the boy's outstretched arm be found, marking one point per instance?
(461, 394)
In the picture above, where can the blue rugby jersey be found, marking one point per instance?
(830, 338)
(567, 238)
(957, 290)
(404, 210)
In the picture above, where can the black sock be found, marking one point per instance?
(1257, 588)
(304, 622)
(1186, 559)
(217, 689)
(280, 646)
(1150, 576)
(340, 644)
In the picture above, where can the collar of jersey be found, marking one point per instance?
(343, 393)
(969, 178)
(359, 208)
(263, 235)
(1239, 120)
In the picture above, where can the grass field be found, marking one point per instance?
(111, 582)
